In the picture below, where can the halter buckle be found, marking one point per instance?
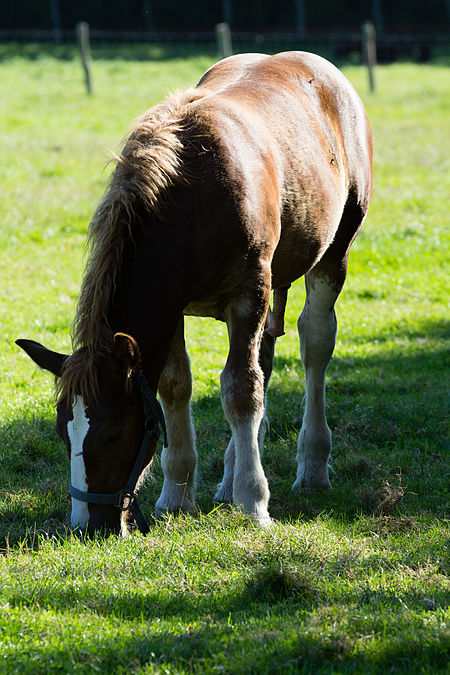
(121, 496)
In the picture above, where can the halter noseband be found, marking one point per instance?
(154, 418)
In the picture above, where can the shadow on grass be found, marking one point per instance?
(185, 46)
(190, 652)
(258, 632)
(387, 412)
(34, 475)
(282, 591)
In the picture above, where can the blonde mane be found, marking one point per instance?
(150, 163)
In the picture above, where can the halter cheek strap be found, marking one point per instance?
(154, 419)
(152, 407)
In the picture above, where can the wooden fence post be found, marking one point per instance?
(369, 49)
(85, 52)
(56, 21)
(300, 16)
(226, 11)
(223, 37)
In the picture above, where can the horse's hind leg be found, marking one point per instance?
(179, 459)
(317, 331)
(225, 489)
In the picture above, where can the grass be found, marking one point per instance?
(351, 581)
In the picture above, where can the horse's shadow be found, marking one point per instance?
(33, 479)
(227, 615)
(389, 430)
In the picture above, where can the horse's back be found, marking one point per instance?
(293, 91)
(294, 142)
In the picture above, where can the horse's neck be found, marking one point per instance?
(148, 304)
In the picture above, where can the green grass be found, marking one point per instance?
(350, 581)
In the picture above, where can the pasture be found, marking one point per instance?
(354, 580)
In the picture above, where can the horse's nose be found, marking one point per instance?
(79, 516)
(104, 520)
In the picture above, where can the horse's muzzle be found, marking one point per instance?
(104, 521)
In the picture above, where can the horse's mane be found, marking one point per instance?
(150, 163)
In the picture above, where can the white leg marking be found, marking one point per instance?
(178, 463)
(317, 330)
(77, 430)
(224, 492)
(250, 488)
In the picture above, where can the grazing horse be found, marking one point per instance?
(257, 176)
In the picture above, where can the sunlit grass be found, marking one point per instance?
(351, 581)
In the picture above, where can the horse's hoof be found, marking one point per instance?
(162, 511)
(304, 487)
(258, 518)
(255, 519)
(264, 521)
(224, 496)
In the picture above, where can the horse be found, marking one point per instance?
(223, 193)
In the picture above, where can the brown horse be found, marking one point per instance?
(258, 176)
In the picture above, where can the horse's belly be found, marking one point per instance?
(211, 308)
(288, 268)
(303, 242)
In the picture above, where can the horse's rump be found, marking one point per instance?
(294, 146)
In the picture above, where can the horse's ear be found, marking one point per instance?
(126, 354)
(45, 358)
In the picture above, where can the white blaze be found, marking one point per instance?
(77, 430)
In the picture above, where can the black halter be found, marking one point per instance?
(154, 418)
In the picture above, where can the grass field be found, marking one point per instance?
(350, 581)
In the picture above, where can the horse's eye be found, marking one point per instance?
(111, 435)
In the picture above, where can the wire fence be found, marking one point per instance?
(338, 47)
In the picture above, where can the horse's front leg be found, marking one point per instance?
(179, 459)
(242, 392)
(224, 492)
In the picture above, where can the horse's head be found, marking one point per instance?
(108, 424)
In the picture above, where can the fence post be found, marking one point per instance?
(147, 14)
(300, 16)
(56, 21)
(223, 38)
(85, 52)
(226, 11)
(369, 49)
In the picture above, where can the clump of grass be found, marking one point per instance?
(392, 497)
(276, 583)
(383, 500)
